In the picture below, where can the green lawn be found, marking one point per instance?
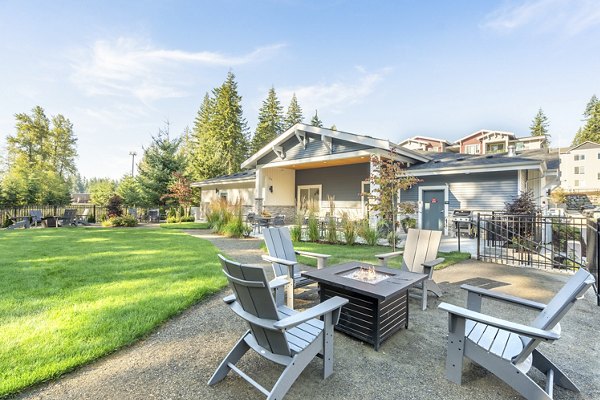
(343, 253)
(186, 225)
(68, 296)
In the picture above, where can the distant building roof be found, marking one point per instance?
(246, 175)
(448, 162)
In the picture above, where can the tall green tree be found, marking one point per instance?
(270, 122)
(130, 192)
(101, 190)
(591, 130)
(229, 126)
(40, 160)
(205, 160)
(155, 171)
(293, 115)
(315, 121)
(539, 125)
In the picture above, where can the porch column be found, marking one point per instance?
(258, 190)
(374, 187)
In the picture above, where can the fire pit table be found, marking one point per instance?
(378, 297)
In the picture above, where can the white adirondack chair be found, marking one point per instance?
(419, 255)
(507, 349)
(282, 257)
(278, 334)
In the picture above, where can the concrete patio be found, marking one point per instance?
(177, 359)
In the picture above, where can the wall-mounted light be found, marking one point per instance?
(216, 190)
(271, 188)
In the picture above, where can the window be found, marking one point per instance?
(519, 146)
(580, 157)
(472, 149)
(599, 176)
(576, 184)
(223, 195)
(598, 156)
(495, 148)
(579, 170)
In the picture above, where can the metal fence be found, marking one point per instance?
(547, 242)
(50, 211)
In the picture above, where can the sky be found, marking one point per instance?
(390, 69)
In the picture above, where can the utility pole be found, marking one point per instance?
(132, 154)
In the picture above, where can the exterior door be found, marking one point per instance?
(433, 210)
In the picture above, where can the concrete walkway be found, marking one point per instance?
(176, 361)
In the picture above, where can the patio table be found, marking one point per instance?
(376, 310)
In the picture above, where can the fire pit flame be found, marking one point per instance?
(367, 274)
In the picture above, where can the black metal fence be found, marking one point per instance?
(565, 242)
(50, 211)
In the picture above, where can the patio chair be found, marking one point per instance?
(83, 218)
(278, 220)
(507, 349)
(278, 334)
(36, 217)
(18, 222)
(154, 216)
(68, 218)
(419, 255)
(282, 257)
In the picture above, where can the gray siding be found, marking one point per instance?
(314, 148)
(482, 191)
(343, 182)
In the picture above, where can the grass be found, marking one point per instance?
(69, 296)
(342, 253)
(186, 225)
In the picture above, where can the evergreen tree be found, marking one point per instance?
(159, 162)
(129, 190)
(101, 190)
(229, 127)
(293, 115)
(591, 129)
(270, 122)
(315, 121)
(205, 160)
(539, 125)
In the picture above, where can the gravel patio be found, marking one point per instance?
(176, 361)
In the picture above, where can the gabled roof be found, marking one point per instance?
(588, 144)
(483, 132)
(242, 176)
(418, 137)
(370, 141)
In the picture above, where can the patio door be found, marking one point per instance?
(433, 209)
(309, 198)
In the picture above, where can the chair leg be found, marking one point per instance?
(233, 357)
(433, 287)
(544, 365)
(456, 347)
(293, 370)
(327, 345)
(424, 294)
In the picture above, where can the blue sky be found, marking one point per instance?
(393, 69)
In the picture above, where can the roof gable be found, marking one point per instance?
(585, 146)
(484, 132)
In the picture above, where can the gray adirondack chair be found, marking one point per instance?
(278, 334)
(507, 349)
(282, 257)
(68, 217)
(419, 255)
(36, 217)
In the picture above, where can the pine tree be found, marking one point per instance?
(159, 162)
(539, 125)
(591, 129)
(270, 122)
(294, 114)
(229, 126)
(315, 121)
(205, 159)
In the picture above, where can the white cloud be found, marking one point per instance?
(129, 67)
(335, 96)
(568, 16)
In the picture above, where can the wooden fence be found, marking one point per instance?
(49, 211)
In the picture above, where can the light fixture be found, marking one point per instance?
(216, 190)
(271, 188)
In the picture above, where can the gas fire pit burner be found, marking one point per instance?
(366, 274)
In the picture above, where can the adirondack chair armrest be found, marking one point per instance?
(385, 256)
(519, 329)
(312, 255)
(433, 263)
(504, 297)
(279, 261)
(328, 306)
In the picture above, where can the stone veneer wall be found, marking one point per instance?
(288, 211)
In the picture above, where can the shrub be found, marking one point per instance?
(296, 230)
(7, 222)
(367, 233)
(125, 221)
(235, 227)
(313, 228)
(189, 218)
(408, 223)
(219, 214)
(349, 228)
(91, 219)
(114, 207)
(172, 220)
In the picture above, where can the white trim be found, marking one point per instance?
(459, 141)
(471, 169)
(223, 182)
(339, 156)
(299, 187)
(446, 201)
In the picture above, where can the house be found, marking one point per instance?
(425, 143)
(580, 168)
(305, 167)
(490, 142)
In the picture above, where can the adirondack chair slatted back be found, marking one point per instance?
(279, 244)
(36, 215)
(421, 245)
(252, 292)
